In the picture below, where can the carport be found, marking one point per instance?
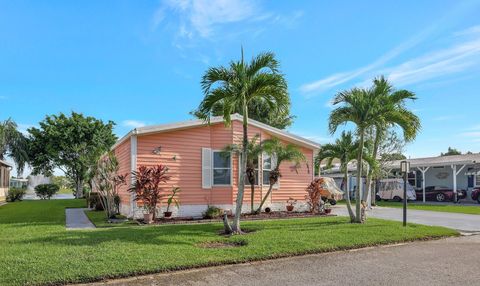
(463, 169)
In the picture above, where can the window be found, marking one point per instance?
(268, 165)
(221, 168)
(412, 178)
(477, 180)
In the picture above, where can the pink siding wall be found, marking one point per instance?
(181, 152)
(291, 184)
(122, 152)
(186, 169)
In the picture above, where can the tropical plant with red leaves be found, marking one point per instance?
(148, 188)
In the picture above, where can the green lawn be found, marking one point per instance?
(473, 209)
(35, 248)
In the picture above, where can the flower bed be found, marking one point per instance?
(245, 217)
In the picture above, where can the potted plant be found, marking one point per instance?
(171, 199)
(148, 187)
(327, 209)
(291, 204)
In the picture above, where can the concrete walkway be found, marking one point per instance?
(77, 219)
(452, 261)
(461, 222)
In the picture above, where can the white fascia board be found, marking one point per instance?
(218, 119)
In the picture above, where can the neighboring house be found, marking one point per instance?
(455, 172)
(191, 150)
(19, 183)
(4, 179)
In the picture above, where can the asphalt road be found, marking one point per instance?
(452, 261)
(461, 222)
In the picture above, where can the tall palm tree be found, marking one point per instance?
(282, 153)
(238, 84)
(393, 112)
(254, 151)
(14, 144)
(360, 107)
(344, 149)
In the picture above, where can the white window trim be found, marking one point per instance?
(276, 186)
(476, 182)
(213, 170)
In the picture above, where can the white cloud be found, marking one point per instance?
(207, 19)
(203, 16)
(446, 117)
(462, 55)
(24, 127)
(458, 58)
(133, 123)
(313, 88)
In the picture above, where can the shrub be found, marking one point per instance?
(148, 186)
(212, 212)
(15, 194)
(94, 201)
(46, 191)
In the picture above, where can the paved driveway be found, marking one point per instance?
(452, 261)
(461, 222)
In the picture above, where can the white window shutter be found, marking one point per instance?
(207, 168)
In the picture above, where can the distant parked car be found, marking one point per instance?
(440, 194)
(476, 195)
(392, 189)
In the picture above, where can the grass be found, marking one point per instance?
(99, 220)
(474, 209)
(36, 249)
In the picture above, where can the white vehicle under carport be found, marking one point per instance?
(392, 189)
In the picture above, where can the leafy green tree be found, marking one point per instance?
(259, 110)
(393, 157)
(254, 151)
(13, 144)
(391, 111)
(345, 149)
(236, 86)
(359, 106)
(451, 151)
(71, 143)
(281, 153)
(377, 107)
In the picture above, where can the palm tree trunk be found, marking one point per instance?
(358, 206)
(368, 185)
(347, 192)
(243, 167)
(265, 198)
(252, 197)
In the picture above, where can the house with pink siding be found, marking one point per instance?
(192, 152)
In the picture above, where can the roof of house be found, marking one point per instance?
(465, 159)
(219, 119)
(5, 163)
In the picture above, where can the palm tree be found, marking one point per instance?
(276, 149)
(14, 144)
(393, 112)
(361, 107)
(237, 85)
(254, 151)
(344, 149)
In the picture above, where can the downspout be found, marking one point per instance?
(133, 167)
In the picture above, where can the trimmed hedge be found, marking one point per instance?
(46, 191)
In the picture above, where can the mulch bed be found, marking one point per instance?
(245, 217)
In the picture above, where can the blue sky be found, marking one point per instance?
(140, 62)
